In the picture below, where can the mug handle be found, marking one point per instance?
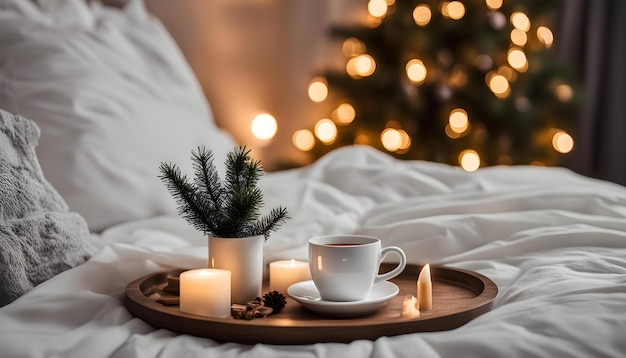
(398, 269)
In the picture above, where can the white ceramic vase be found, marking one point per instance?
(243, 257)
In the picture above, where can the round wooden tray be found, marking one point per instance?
(458, 297)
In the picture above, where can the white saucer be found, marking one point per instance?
(307, 295)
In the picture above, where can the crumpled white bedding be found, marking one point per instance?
(553, 241)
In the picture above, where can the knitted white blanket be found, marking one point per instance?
(39, 237)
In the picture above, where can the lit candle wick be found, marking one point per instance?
(425, 290)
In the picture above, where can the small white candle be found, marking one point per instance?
(285, 273)
(205, 292)
(425, 290)
(409, 307)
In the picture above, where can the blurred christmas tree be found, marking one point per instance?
(462, 82)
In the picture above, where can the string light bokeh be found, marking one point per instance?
(444, 80)
(448, 91)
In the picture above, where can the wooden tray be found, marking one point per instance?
(458, 297)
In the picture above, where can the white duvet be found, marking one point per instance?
(553, 241)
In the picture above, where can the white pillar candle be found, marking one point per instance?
(409, 307)
(285, 273)
(425, 290)
(205, 292)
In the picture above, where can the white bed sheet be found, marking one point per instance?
(553, 241)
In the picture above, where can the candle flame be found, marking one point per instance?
(424, 274)
(293, 262)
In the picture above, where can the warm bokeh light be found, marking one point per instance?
(391, 139)
(520, 21)
(303, 140)
(416, 71)
(443, 8)
(458, 120)
(450, 133)
(469, 160)
(498, 84)
(377, 8)
(493, 4)
(545, 36)
(517, 59)
(406, 141)
(318, 90)
(353, 47)
(519, 37)
(455, 10)
(325, 130)
(361, 66)
(264, 126)
(422, 15)
(507, 72)
(564, 93)
(351, 68)
(562, 142)
(344, 114)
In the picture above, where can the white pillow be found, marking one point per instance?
(113, 97)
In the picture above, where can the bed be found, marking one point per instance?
(93, 98)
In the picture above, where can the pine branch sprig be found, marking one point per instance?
(190, 206)
(230, 209)
(206, 177)
(272, 222)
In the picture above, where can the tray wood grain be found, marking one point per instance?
(458, 297)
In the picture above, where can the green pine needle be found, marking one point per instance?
(230, 209)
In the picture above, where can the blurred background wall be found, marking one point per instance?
(257, 56)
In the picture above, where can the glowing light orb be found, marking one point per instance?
(518, 37)
(562, 142)
(456, 10)
(318, 90)
(458, 120)
(499, 85)
(303, 140)
(264, 126)
(422, 15)
(377, 8)
(361, 66)
(325, 130)
(493, 4)
(517, 59)
(416, 71)
(391, 139)
(344, 114)
(545, 36)
(469, 160)
(520, 21)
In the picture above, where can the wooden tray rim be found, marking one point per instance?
(324, 329)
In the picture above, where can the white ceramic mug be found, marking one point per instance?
(345, 267)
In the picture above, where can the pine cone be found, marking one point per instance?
(275, 300)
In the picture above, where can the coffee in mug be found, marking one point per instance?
(345, 267)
